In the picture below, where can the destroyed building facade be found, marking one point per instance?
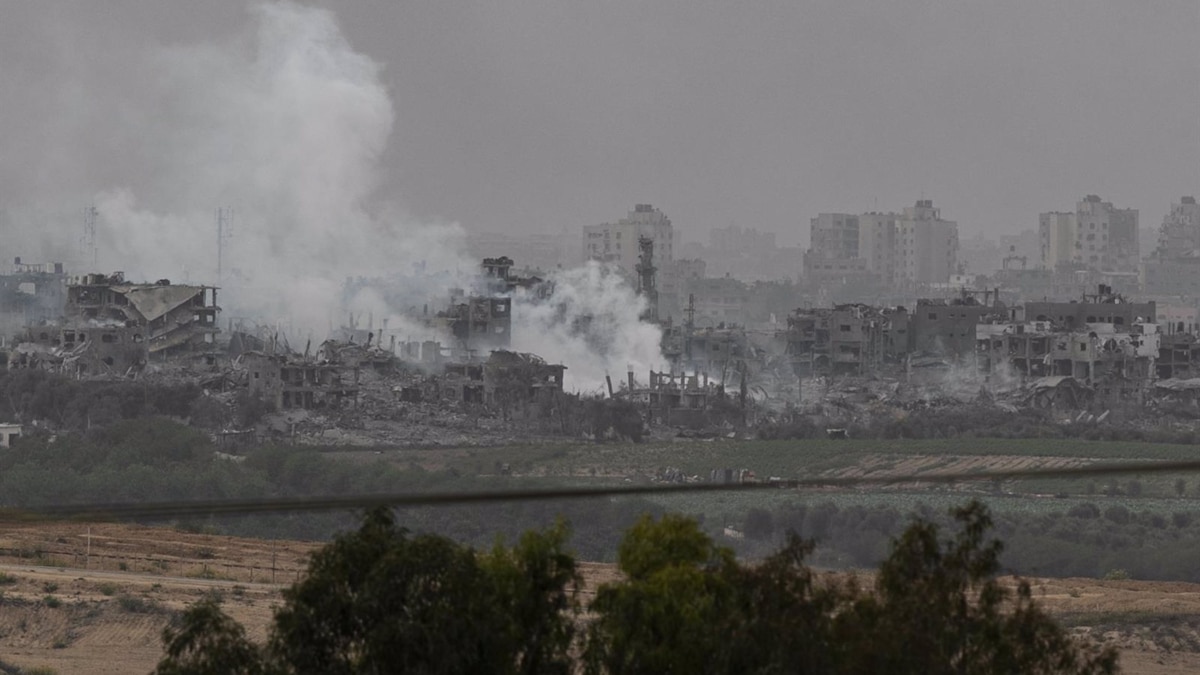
(1119, 364)
(108, 326)
(31, 294)
(288, 381)
(168, 318)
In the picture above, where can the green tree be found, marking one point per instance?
(206, 641)
(538, 582)
(380, 600)
(938, 607)
(665, 617)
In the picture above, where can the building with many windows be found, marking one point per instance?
(916, 247)
(926, 246)
(618, 242)
(1096, 236)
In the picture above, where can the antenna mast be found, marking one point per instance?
(88, 241)
(224, 234)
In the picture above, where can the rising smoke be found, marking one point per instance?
(286, 124)
(590, 323)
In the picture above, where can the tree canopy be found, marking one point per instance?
(381, 599)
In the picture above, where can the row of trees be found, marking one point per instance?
(381, 600)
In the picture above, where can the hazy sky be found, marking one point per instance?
(535, 116)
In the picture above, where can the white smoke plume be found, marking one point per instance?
(286, 124)
(591, 323)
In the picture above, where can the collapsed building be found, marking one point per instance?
(288, 381)
(169, 318)
(109, 326)
(480, 321)
(31, 294)
(1119, 365)
(1102, 348)
(852, 339)
(686, 400)
(857, 339)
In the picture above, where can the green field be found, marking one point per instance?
(786, 459)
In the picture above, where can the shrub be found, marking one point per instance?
(758, 524)
(1087, 510)
(136, 605)
(1117, 514)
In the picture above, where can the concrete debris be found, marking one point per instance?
(452, 378)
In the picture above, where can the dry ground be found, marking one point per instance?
(105, 619)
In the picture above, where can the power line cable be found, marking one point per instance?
(168, 510)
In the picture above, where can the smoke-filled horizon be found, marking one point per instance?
(286, 122)
(537, 116)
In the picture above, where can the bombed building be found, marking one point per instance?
(168, 318)
(108, 326)
(31, 294)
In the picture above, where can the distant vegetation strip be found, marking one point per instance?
(180, 509)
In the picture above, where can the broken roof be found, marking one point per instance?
(153, 301)
(1053, 382)
(1175, 384)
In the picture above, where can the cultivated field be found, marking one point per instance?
(573, 464)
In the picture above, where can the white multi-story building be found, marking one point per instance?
(913, 247)
(1179, 235)
(877, 243)
(618, 242)
(1057, 231)
(926, 246)
(1096, 237)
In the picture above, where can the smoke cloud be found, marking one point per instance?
(591, 323)
(286, 124)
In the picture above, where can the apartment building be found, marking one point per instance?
(915, 247)
(926, 245)
(618, 242)
(1096, 236)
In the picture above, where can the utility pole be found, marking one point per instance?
(88, 241)
(224, 234)
(689, 326)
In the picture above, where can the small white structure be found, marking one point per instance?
(8, 433)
